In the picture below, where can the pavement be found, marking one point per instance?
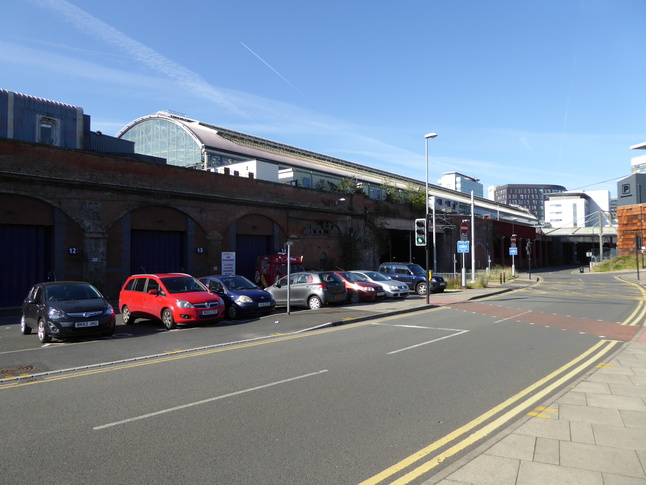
(592, 433)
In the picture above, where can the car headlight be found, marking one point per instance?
(184, 304)
(369, 288)
(55, 313)
(244, 299)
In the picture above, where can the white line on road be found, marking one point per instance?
(515, 316)
(459, 332)
(204, 401)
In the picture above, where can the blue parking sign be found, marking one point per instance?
(463, 246)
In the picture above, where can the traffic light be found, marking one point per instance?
(420, 232)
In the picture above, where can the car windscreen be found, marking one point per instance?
(182, 284)
(373, 275)
(71, 292)
(352, 277)
(237, 283)
(416, 269)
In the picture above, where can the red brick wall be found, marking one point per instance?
(631, 223)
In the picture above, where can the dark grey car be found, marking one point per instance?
(66, 309)
(310, 289)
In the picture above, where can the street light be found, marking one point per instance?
(428, 281)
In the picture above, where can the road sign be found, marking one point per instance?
(513, 251)
(464, 230)
(463, 246)
(513, 240)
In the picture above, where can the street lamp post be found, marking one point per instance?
(428, 280)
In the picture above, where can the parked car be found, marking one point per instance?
(413, 275)
(241, 296)
(172, 298)
(392, 288)
(64, 309)
(358, 288)
(310, 289)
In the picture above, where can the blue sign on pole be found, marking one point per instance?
(513, 251)
(463, 246)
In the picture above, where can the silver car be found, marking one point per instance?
(393, 288)
(310, 289)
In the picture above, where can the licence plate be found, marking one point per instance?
(91, 323)
(339, 297)
(380, 293)
(210, 312)
(264, 303)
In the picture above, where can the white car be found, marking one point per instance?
(393, 288)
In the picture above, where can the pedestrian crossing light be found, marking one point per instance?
(420, 232)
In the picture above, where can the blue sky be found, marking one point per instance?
(548, 92)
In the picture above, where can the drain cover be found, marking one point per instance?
(19, 370)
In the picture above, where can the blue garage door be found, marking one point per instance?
(25, 259)
(248, 248)
(157, 252)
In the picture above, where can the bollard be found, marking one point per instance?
(504, 278)
(501, 278)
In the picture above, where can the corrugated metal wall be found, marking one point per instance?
(25, 114)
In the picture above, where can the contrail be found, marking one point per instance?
(279, 74)
(571, 84)
(140, 52)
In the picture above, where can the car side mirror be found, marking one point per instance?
(277, 284)
(153, 292)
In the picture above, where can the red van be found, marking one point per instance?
(272, 267)
(172, 298)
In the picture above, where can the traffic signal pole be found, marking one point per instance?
(421, 239)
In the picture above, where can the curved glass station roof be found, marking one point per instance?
(193, 144)
(165, 138)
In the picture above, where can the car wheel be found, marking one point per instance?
(168, 320)
(420, 289)
(314, 302)
(43, 336)
(24, 328)
(354, 297)
(233, 312)
(126, 316)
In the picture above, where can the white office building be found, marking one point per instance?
(578, 209)
(461, 183)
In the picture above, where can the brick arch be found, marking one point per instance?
(156, 238)
(38, 242)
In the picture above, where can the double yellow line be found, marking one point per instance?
(425, 459)
(637, 317)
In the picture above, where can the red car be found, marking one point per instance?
(172, 298)
(360, 289)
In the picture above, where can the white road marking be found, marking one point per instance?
(204, 401)
(459, 332)
(515, 316)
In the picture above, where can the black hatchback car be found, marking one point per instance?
(66, 309)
